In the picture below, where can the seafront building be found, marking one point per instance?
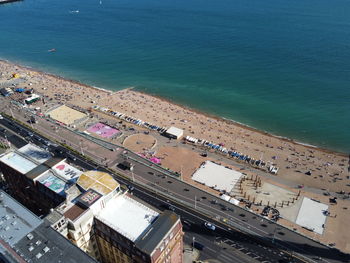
(24, 237)
(129, 231)
(91, 209)
(36, 179)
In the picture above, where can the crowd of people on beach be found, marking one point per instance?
(130, 119)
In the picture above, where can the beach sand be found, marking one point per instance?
(329, 170)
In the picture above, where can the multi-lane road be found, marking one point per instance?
(238, 230)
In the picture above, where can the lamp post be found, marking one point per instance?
(81, 148)
(11, 113)
(181, 174)
(274, 234)
(132, 173)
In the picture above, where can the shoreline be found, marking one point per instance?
(186, 107)
(242, 125)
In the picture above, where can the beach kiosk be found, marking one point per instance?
(174, 133)
(32, 99)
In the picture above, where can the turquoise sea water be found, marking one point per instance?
(279, 66)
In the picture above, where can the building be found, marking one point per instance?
(174, 133)
(92, 191)
(129, 231)
(26, 238)
(6, 92)
(36, 179)
(91, 210)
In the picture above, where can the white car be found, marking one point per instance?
(1, 117)
(209, 226)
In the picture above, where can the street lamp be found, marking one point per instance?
(181, 174)
(11, 113)
(81, 148)
(274, 234)
(132, 173)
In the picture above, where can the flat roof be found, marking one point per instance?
(16, 221)
(35, 153)
(18, 162)
(89, 198)
(47, 245)
(53, 182)
(216, 176)
(127, 216)
(149, 241)
(101, 182)
(74, 212)
(175, 131)
(66, 115)
(66, 171)
(311, 215)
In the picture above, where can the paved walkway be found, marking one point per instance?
(189, 254)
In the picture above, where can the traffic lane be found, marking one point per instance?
(194, 226)
(209, 250)
(189, 193)
(268, 225)
(15, 140)
(293, 241)
(194, 221)
(290, 239)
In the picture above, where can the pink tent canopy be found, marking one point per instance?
(155, 160)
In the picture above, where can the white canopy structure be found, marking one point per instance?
(174, 133)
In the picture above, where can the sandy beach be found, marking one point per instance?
(326, 169)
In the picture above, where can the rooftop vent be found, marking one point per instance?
(31, 248)
(39, 255)
(30, 236)
(46, 249)
(38, 242)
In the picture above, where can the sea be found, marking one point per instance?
(280, 66)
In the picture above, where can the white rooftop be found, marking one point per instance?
(216, 176)
(311, 215)
(18, 162)
(66, 171)
(127, 216)
(35, 153)
(175, 131)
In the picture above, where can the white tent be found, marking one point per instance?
(225, 197)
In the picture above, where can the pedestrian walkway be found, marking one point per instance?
(190, 255)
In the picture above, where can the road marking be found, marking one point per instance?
(227, 258)
(210, 248)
